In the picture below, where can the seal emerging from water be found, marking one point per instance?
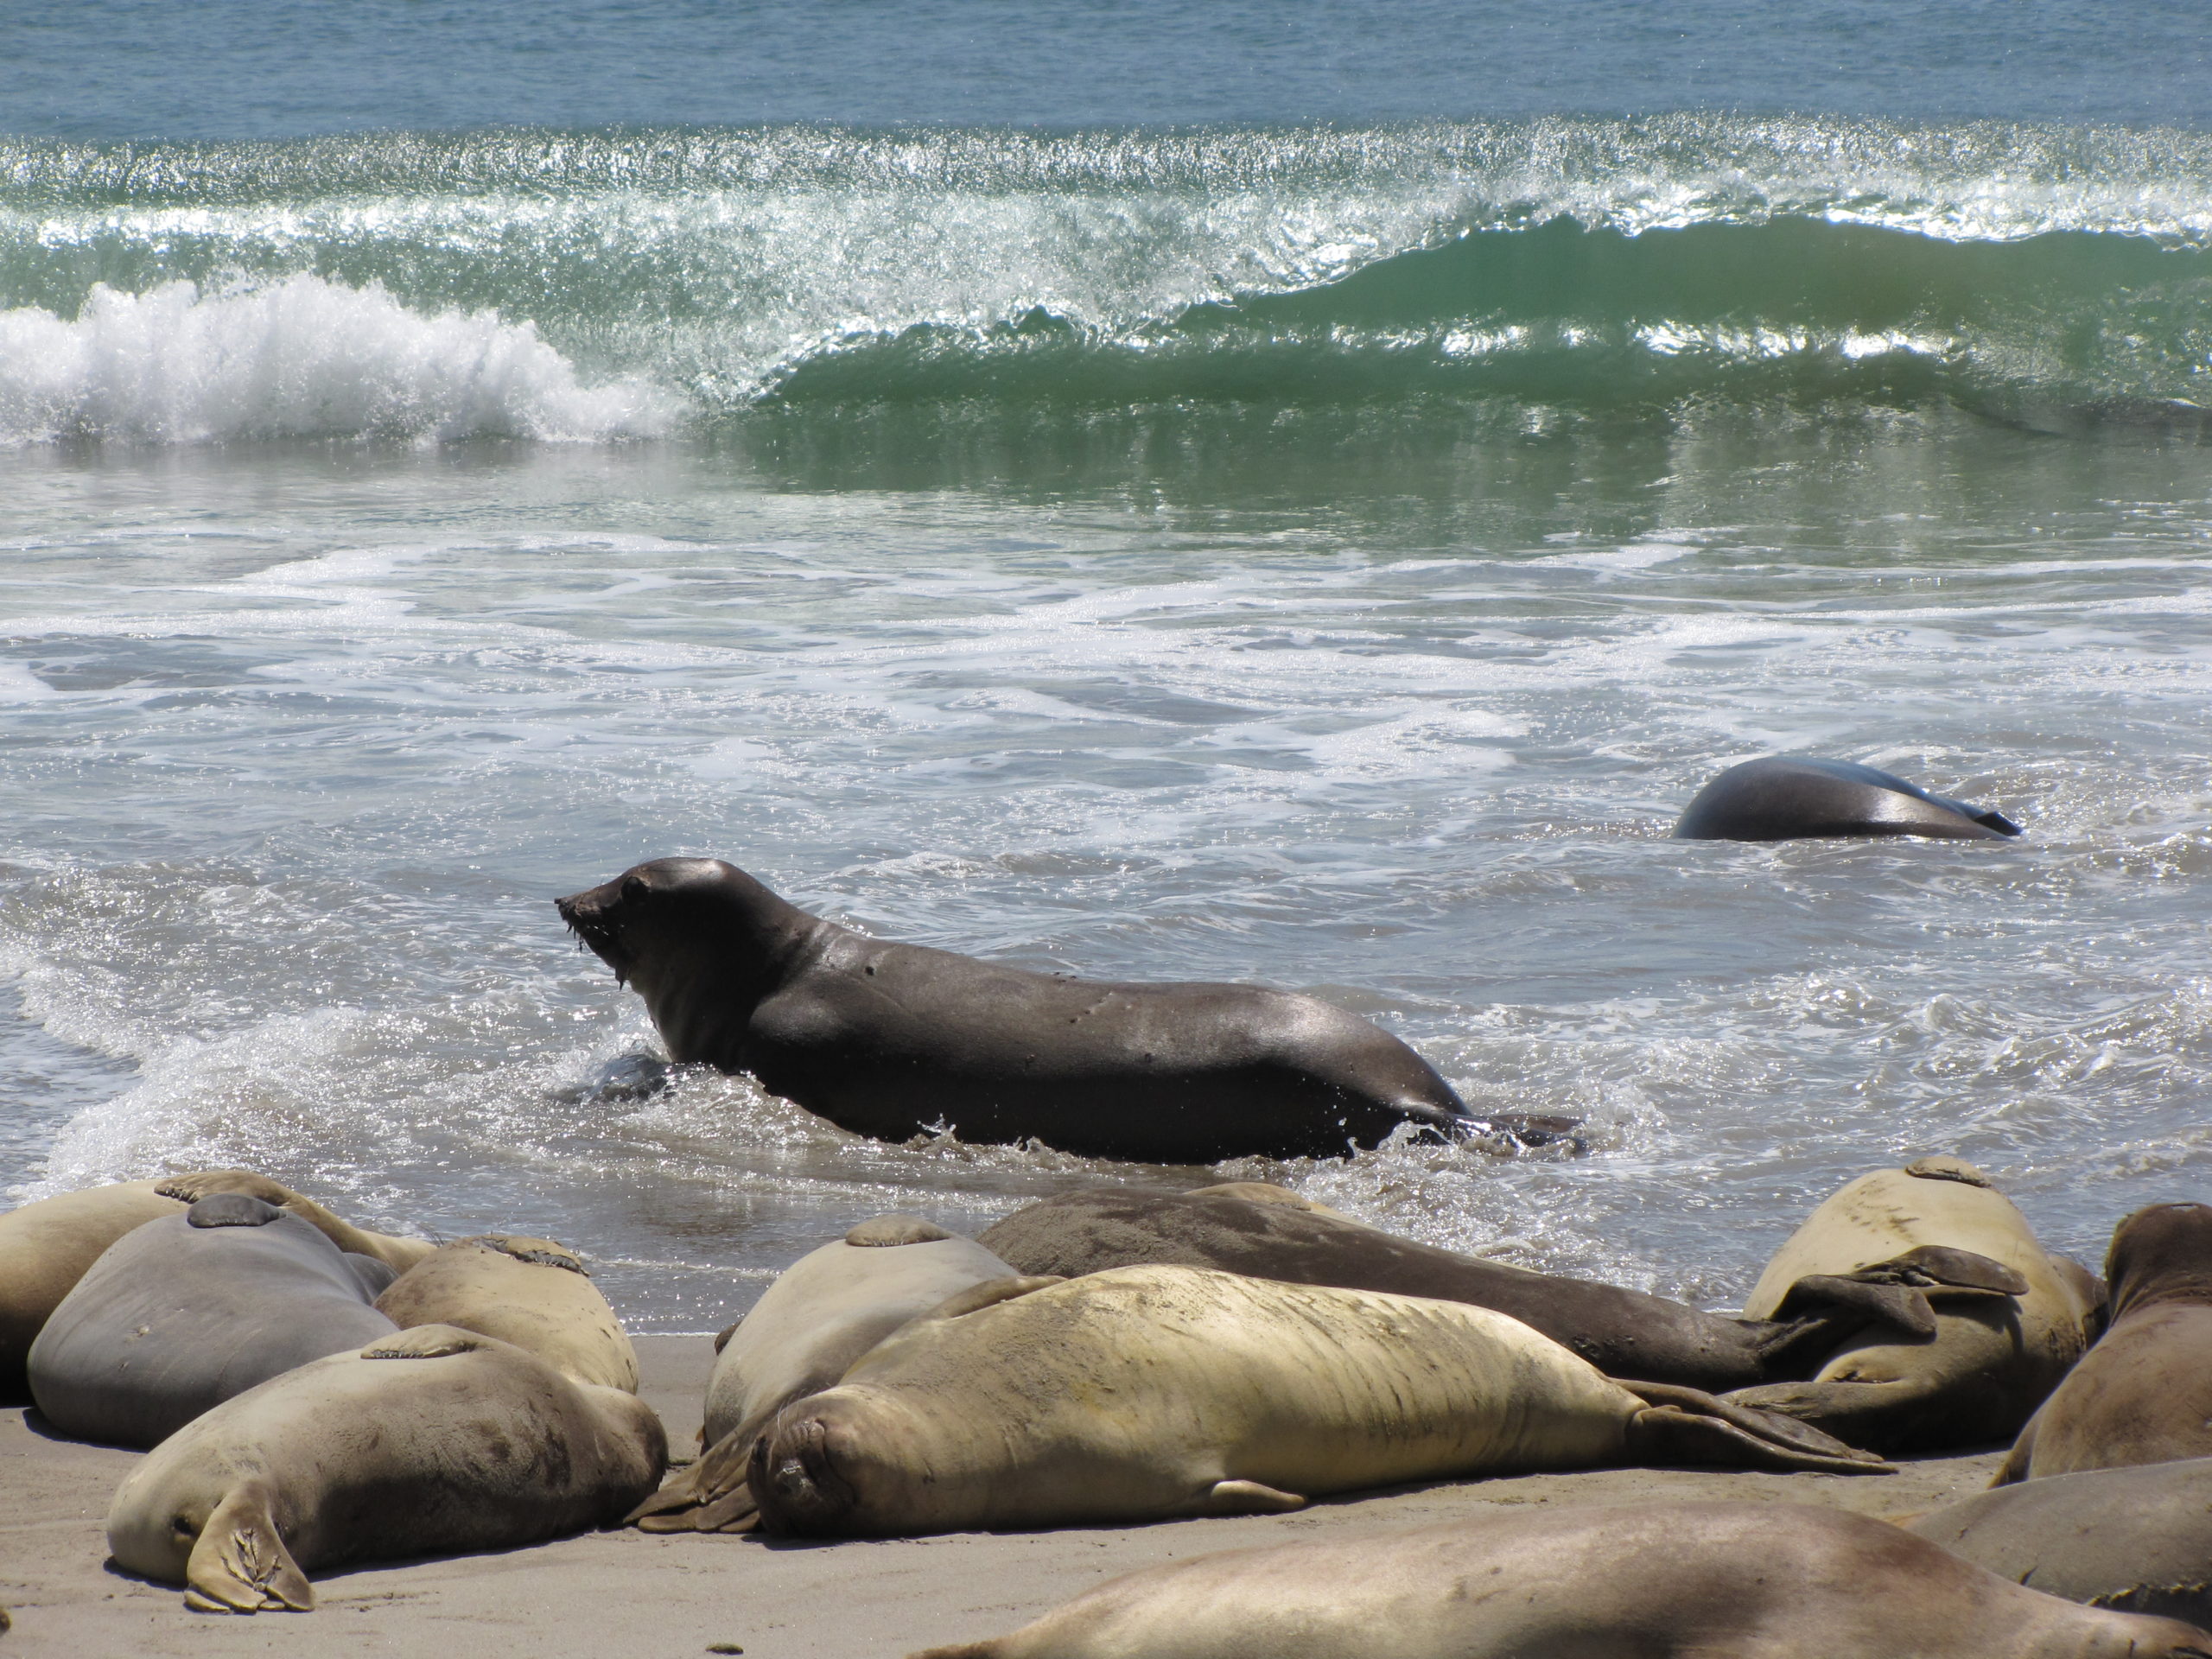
(1795, 797)
(892, 1041)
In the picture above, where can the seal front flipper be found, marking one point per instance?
(205, 1183)
(1244, 1497)
(1680, 1425)
(429, 1342)
(240, 1564)
(990, 1293)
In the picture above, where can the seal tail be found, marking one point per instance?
(1679, 1425)
(240, 1564)
(714, 1495)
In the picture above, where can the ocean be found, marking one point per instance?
(1300, 494)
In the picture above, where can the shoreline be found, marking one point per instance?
(610, 1595)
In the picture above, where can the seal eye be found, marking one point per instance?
(634, 888)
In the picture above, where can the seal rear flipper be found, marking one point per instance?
(1689, 1425)
(714, 1495)
(1890, 1416)
(1244, 1497)
(240, 1564)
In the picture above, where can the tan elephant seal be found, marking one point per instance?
(825, 1311)
(2137, 1539)
(530, 1292)
(2010, 1318)
(179, 1315)
(2144, 1394)
(1144, 1393)
(46, 1246)
(1653, 1581)
(434, 1439)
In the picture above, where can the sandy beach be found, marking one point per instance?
(610, 1595)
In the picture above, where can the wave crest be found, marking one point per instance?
(299, 358)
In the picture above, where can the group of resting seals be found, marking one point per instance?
(224, 1326)
(895, 1040)
(1131, 1354)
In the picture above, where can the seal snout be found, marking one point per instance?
(793, 1481)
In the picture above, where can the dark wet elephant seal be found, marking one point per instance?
(894, 1041)
(2137, 1539)
(434, 1439)
(530, 1292)
(2010, 1317)
(1624, 1333)
(1794, 797)
(823, 1311)
(181, 1314)
(47, 1245)
(1145, 1393)
(2144, 1393)
(1658, 1581)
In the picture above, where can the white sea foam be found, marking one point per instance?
(302, 357)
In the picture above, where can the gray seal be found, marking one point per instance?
(1795, 797)
(2138, 1539)
(183, 1312)
(1776, 1580)
(894, 1041)
(1275, 1234)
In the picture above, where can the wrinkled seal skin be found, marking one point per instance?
(1622, 1332)
(2144, 1394)
(48, 1246)
(1647, 1581)
(891, 1040)
(1794, 797)
(530, 1292)
(434, 1439)
(825, 1311)
(2137, 1539)
(183, 1312)
(2011, 1319)
(1147, 1393)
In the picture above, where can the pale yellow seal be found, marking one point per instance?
(434, 1439)
(529, 1291)
(1142, 1393)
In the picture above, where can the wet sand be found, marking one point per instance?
(610, 1595)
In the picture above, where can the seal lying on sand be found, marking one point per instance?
(48, 1246)
(1657, 1581)
(2144, 1394)
(1622, 1332)
(1793, 796)
(823, 1312)
(434, 1439)
(529, 1291)
(892, 1041)
(183, 1312)
(2138, 1539)
(1147, 1393)
(2011, 1319)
